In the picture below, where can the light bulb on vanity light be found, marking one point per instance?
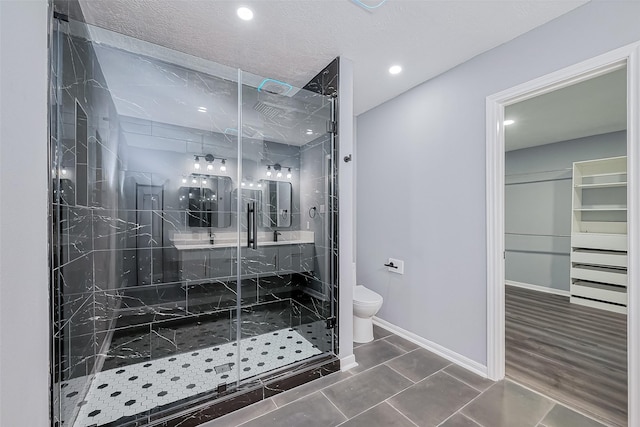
(204, 181)
(184, 180)
(193, 181)
(289, 173)
(268, 170)
(196, 164)
(210, 166)
(279, 174)
(223, 167)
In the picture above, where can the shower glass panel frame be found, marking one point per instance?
(145, 303)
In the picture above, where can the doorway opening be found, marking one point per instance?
(495, 161)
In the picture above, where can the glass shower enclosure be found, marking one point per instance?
(193, 244)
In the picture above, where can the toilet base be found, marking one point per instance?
(362, 329)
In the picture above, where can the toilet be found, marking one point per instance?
(366, 304)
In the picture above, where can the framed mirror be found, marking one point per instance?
(208, 203)
(277, 204)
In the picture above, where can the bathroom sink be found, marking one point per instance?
(194, 241)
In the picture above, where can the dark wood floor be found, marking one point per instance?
(576, 355)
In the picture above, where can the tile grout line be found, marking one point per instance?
(466, 383)
(459, 411)
(302, 397)
(390, 397)
(251, 419)
(576, 410)
(334, 405)
(401, 413)
(462, 415)
(397, 346)
(546, 413)
(386, 361)
(399, 373)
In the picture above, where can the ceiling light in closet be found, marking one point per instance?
(395, 69)
(245, 13)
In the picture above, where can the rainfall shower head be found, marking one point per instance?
(267, 110)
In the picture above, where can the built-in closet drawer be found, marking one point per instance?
(612, 242)
(599, 257)
(592, 273)
(600, 291)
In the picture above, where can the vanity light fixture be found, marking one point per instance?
(509, 122)
(395, 69)
(223, 167)
(196, 164)
(245, 13)
(278, 168)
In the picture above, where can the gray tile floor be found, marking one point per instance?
(400, 384)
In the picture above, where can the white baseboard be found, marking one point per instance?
(452, 356)
(538, 288)
(348, 362)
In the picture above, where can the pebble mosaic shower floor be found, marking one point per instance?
(136, 388)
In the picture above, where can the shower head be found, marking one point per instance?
(267, 110)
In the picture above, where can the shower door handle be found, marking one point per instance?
(252, 226)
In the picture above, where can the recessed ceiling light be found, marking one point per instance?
(395, 69)
(202, 109)
(509, 122)
(245, 13)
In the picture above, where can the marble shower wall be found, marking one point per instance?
(86, 168)
(86, 164)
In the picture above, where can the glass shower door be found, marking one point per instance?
(286, 311)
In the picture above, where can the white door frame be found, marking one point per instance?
(495, 152)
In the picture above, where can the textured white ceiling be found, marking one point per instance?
(292, 40)
(592, 107)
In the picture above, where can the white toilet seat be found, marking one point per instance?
(365, 297)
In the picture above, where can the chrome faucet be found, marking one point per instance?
(276, 233)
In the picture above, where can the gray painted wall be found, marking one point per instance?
(421, 176)
(24, 310)
(538, 205)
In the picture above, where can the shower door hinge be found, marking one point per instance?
(332, 127)
(60, 16)
(331, 322)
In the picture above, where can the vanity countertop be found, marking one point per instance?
(195, 241)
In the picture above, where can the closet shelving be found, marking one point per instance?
(599, 234)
